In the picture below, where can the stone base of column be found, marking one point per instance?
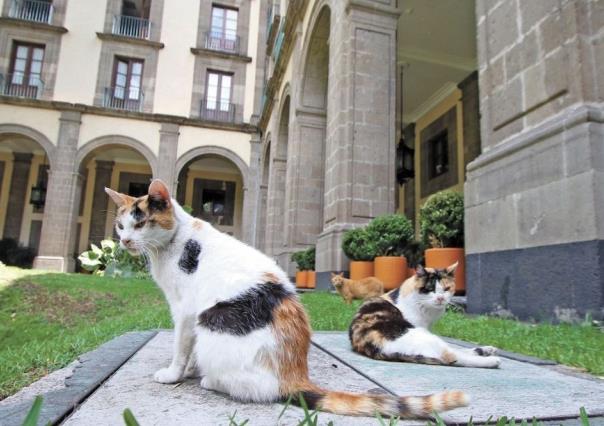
(54, 263)
(330, 257)
(533, 214)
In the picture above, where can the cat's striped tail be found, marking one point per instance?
(351, 404)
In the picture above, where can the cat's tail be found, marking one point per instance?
(351, 404)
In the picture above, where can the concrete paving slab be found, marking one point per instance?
(132, 386)
(92, 369)
(517, 389)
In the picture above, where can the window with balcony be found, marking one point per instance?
(223, 30)
(126, 90)
(25, 76)
(217, 104)
(438, 154)
(134, 19)
(32, 10)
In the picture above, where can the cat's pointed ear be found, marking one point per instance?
(118, 199)
(451, 269)
(159, 196)
(333, 275)
(420, 271)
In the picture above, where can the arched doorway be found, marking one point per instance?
(112, 162)
(307, 179)
(276, 202)
(25, 160)
(211, 185)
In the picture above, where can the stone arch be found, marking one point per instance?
(87, 149)
(315, 56)
(34, 135)
(214, 150)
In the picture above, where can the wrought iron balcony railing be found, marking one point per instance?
(215, 110)
(32, 10)
(221, 42)
(21, 85)
(125, 99)
(131, 26)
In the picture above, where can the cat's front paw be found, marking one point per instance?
(168, 375)
(486, 350)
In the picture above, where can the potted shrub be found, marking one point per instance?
(414, 253)
(442, 231)
(391, 234)
(360, 249)
(299, 258)
(311, 276)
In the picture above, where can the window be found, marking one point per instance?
(125, 92)
(217, 201)
(223, 30)
(26, 70)
(224, 23)
(217, 104)
(438, 155)
(136, 189)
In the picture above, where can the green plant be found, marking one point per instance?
(441, 220)
(391, 234)
(187, 208)
(414, 253)
(304, 259)
(309, 257)
(357, 245)
(110, 260)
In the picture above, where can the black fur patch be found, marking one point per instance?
(157, 204)
(137, 213)
(430, 280)
(189, 259)
(479, 351)
(394, 294)
(311, 399)
(377, 315)
(245, 313)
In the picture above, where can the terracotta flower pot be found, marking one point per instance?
(311, 279)
(360, 269)
(391, 270)
(443, 257)
(301, 279)
(410, 272)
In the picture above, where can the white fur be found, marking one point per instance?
(423, 310)
(226, 269)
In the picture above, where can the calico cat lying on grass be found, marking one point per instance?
(237, 314)
(395, 327)
(356, 289)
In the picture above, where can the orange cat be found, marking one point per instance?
(361, 289)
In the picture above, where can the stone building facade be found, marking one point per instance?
(516, 90)
(115, 92)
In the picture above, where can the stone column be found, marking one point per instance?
(166, 160)
(16, 196)
(59, 228)
(534, 198)
(251, 192)
(275, 203)
(361, 116)
(98, 219)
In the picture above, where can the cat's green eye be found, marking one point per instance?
(140, 224)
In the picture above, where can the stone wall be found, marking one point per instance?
(534, 205)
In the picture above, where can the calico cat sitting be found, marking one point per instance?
(237, 314)
(356, 289)
(395, 327)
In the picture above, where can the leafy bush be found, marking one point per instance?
(441, 220)
(14, 254)
(357, 245)
(391, 234)
(110, 260)
(304, 259)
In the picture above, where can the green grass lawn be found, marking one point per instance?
(47, 320)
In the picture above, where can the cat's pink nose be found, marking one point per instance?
(440, 299)
(126, 242)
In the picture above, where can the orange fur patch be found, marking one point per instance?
(269, 277)
(292, 331)
(448, 357)
(361, 289)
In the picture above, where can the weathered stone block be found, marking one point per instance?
(501, 27)
(522, 55)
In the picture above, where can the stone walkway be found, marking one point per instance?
(519, 389)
